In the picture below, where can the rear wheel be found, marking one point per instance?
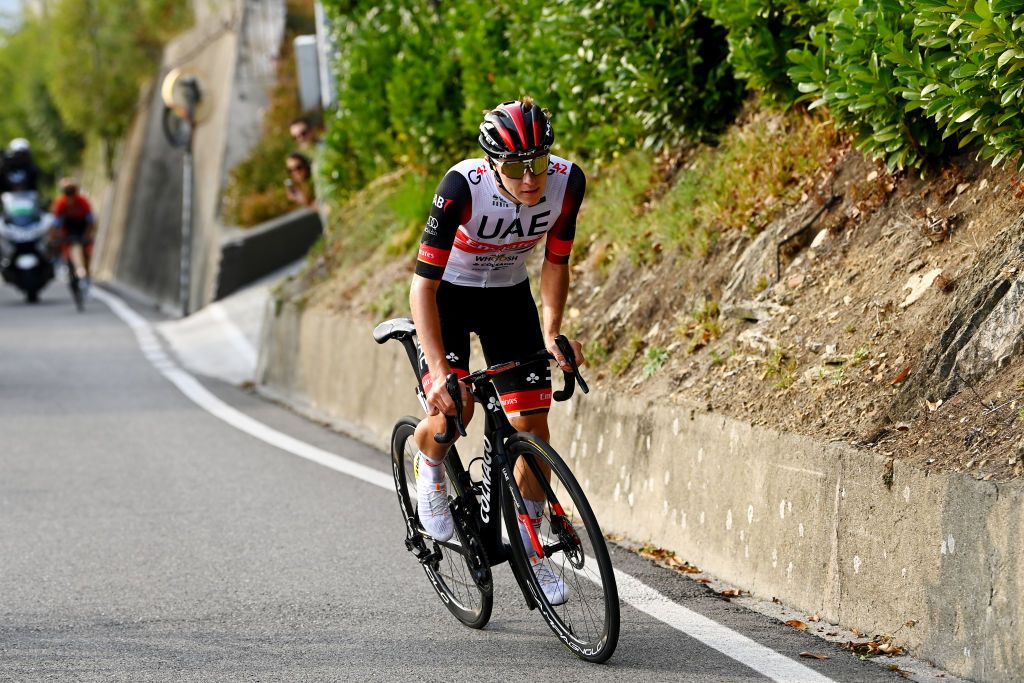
(575, 552)
(458, 569)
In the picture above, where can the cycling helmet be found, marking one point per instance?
(516, 130)
(18, 145)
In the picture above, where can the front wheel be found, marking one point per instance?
(458, 569)
(587, 619)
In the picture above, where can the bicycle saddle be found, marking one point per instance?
(396, 328)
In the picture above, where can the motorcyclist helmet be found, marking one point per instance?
(19, 145)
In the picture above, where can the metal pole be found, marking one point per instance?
(186, 229)
(191, 99)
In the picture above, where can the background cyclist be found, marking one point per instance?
(77, 227)
(487, 215)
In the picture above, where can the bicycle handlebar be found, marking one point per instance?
(454, 423)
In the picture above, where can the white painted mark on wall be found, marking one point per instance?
(750, 514)
(789, 572)
(630, 499)
(572, 450)
(856, 564)
(668, 477)
(728, 521)
(618, 430)
(700, 455)
(782, 510)
(618, 492)
(775, 558)
(801, 529)
(648, 442)
(600, 442)
(903, 572)
(702, 518)
(611, 456)
(906, 493)
(675, 427)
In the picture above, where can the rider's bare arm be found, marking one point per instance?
(554, 274)
(451, 206)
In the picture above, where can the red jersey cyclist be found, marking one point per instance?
(488, 214)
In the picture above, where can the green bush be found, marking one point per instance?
(965, 69)
(846, 67)
(415, 75)
(760, 33)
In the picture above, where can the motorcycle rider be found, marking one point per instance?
(19, 171)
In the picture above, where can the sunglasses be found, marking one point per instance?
(517, 169)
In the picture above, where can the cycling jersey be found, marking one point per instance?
(74, 214)
(476, 237)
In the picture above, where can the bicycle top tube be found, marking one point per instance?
(501, 368)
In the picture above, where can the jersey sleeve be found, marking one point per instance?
(563, 232)
(452, 207)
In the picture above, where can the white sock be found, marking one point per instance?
(430, 469)
(534, 508)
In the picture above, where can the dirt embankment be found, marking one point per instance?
(884, 311)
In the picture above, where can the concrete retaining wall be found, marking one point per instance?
(863, 541)
(139, 243)
(247, 255)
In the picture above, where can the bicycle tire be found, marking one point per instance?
(76, 292)
(576, 622)
(460, 574)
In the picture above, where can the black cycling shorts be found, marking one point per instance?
(506, 320)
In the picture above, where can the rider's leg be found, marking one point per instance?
(554, 586)
(537, 424)
(431, 487)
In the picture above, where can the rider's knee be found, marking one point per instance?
(536, 423)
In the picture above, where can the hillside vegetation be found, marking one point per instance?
(799, 213)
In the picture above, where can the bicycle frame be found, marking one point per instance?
(485, 513)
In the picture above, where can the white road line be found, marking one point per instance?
(632, 591)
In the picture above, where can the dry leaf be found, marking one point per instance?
(731, 593)
(796, 623)
(900, 377)
(857, 632)
(811, 655)
(703, 581)
(815, 618)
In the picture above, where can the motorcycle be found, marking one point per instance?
(24, 228)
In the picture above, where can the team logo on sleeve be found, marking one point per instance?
(442, 202)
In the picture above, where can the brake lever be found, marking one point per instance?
(571, 378)
(452, 423)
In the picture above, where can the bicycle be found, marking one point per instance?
(570, 539)
(73, 253)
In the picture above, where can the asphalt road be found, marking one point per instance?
(144, 539)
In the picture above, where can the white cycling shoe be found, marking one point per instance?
(555, 590)
(432, 504)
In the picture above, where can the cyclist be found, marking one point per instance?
(487, 215)
(77, 227)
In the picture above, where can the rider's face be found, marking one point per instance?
(527, 190)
